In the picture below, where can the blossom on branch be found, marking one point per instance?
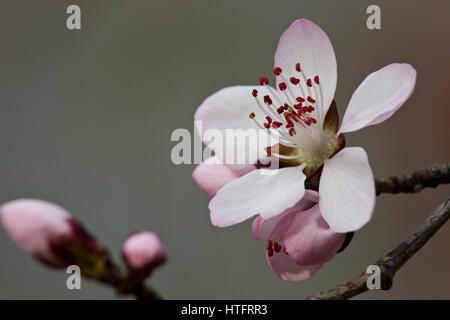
(302, 233)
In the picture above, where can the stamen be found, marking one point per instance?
(277, 71)
(316, 79)
(281, 156)
(263, 81)
(294, 80)
(291, 117)
(277, 247)
(267, 99)
(276, 124)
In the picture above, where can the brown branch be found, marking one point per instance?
(125, 283)
(394, 260)
(429, 177)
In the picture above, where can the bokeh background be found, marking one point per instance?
(86, 118)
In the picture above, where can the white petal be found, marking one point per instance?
(264, 192)
(228, 109)
(306, 43)
(347, 190)
(379, 96)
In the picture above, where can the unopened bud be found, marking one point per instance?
(143, 251)
(32, 224)
(48, 231)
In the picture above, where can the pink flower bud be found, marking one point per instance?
(144, 251)
(48, 231)
(32, 224)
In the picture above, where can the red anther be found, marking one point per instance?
(291, 131)
(297, 67)
(251, 115)
(266, 125)
(270, 252)
(269, 244)
(290, 124)
(280, 110)
(300, 99)
(316, 79)
(269, 119)
(277, 71)
(310, 109)
(309, 83)
(277, 247)
(254, 92)
(305, 109)
(294, 80)
(269, 152)
(311, 100)
(298, 106)
(313, 120)
(282, 86)
(267, 99)
(276, 124)
(284, 250)
(286, 106)
(291, 116)
(263, 81)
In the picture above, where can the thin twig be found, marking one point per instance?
(394, 260)
(429, 177)
(126, 283)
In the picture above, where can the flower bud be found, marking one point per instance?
(32, 224)
(48, 231)
(143, 251)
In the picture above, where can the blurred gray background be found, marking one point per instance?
(86, 118)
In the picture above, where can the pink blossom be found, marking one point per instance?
(300, 113)
(143, 250)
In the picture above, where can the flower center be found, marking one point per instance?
(293, 115)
